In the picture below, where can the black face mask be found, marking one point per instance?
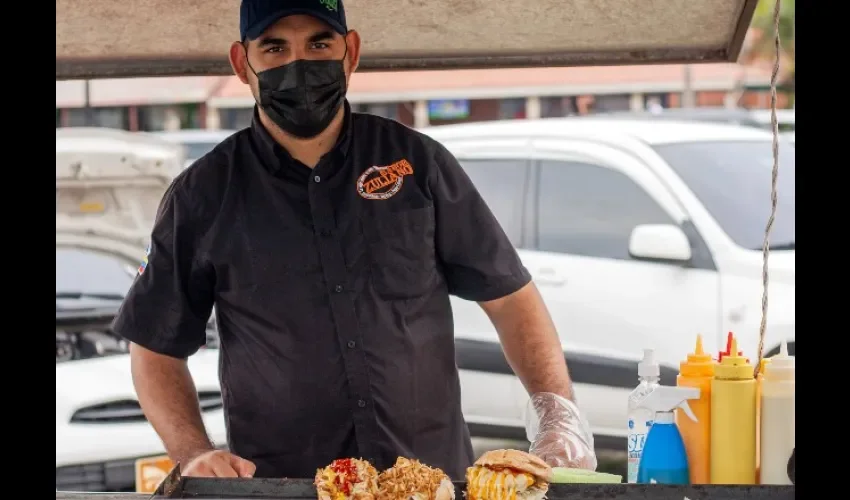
(303, 97)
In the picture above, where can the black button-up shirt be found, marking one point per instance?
(331, 287)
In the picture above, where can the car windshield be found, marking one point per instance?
(732, 180)
(90, 279)
(90, 275)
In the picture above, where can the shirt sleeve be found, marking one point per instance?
(478, 260)
(167, 307)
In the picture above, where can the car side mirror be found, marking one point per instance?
(659, 242)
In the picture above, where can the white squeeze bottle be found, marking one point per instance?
(777, 417)
(640, 417)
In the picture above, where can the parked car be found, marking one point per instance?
(108, 186)
(639, 234)
(758, 118)
(197, 142)
(786, 118)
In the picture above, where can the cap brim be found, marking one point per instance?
(260, 27)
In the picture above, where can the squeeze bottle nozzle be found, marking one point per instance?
(698, 349)
(698, 363)
(734, 367)
(729, 348)
(665, 399)
(781, 366)
(648, 367)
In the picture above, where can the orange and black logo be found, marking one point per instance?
(381, 183)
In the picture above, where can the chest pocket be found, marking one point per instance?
(402, 255)
(285, 258)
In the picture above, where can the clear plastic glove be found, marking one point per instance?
(558, 433)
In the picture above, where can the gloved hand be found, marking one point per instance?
(558, 434)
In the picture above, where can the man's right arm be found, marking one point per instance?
(164, 316)
(173, 412)
(176, 416)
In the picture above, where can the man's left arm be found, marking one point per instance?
(481, 264)
(530, 341)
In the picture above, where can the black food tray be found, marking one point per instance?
(175, 486)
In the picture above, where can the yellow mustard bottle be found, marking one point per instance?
(697, 371)
(759, 379)
(733, 420)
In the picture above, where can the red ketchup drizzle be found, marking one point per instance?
(346, 474)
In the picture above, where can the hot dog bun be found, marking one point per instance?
(347, 479)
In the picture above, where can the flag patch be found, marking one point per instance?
(144, 263)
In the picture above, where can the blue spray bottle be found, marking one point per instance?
(664, 460)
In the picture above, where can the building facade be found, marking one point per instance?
(420, 98)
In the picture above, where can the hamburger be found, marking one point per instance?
(347, 479)
(412, 480)
(508, 475)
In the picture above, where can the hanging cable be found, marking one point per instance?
(774, 123)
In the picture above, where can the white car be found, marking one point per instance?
(639, 234)
(759, 118)
(197, 142)
(785, 118)
(108, 187)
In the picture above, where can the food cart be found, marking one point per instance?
(112, 39)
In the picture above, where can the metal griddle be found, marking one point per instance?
(176, 486)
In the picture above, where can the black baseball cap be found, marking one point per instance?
(255, 16)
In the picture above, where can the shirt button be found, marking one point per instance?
(351, 344)
(338, 288)
(317, 179)
(361, 403)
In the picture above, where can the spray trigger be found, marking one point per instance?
(665, 399)
(687, 409)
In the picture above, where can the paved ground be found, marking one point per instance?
(611, 462)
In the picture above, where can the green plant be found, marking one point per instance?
(763, 47)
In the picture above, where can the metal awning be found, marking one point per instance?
(129, 38)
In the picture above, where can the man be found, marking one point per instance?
(329, 243)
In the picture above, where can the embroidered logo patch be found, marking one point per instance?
(331, 5)
(381, 183)
(144, 263)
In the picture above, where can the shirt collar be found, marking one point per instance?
(275, 157)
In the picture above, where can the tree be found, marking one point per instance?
(758, 48)
(762, 47)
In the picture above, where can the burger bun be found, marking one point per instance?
(517, 460)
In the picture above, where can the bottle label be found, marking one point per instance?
(638, 429)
